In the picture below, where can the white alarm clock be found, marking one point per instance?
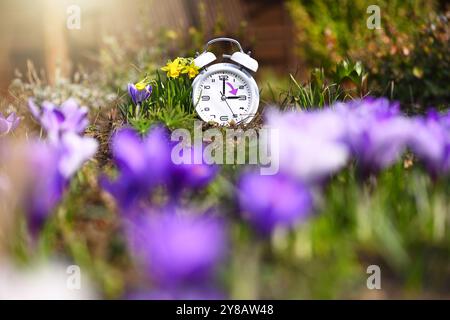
(225, 93)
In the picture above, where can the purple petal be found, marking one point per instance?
(75, 116)
(178, 248)
(76, 150)
(4, 126)
(34, 109)
(47, 186)
(128, 152)
(14, 120)
(132, 91)
(265, 209)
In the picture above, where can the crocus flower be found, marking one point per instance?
(64, 126)
(376, 133)
(50, 169)
(430, 141)
(138, 93)
(9, 123)
(69, 117)
(190, 175)
(177, 248)
(75, 151)
(271, 201)
(143, 164)
(47, 184)
(310, 144)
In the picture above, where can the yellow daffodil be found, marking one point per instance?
(191, 70)
(173, 68)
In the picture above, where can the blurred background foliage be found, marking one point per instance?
(317, 42)
(413, 42)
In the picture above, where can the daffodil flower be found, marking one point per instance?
(173, 68)
(191, 70)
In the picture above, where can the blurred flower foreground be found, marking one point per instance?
(180, 229)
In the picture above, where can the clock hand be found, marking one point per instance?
(235, 97)
(223, 80)
(248, 115)
(225, 99)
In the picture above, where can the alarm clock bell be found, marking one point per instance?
(238, 57)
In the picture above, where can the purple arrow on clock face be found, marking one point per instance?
(233, 90)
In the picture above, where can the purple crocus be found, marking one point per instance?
(271, 201)
(376, 133)
(50, 169)
(9, 123)
(430, 141)
(64, 126)
(68, 117)
(55, 161)
(177, 248)
(46, 166)
(309, 143)
(193, 176)
(143, 164)
(47, 184)
(139, 96)
(75, 151)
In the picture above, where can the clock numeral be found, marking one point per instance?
(206, 109)
(205, 98)
(224, 118)
(207, 87)
(223, 77)
(213, 80)
(241, 87)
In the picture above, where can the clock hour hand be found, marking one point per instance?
(223, 92)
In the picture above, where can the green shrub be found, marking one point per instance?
(348, 80)
(407, 58)
(328, 30)
(414, 69)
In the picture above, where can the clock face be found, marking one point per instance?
(224, 94)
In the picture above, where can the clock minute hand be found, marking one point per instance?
(224, 98)
(234, 115)
(234, 97)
